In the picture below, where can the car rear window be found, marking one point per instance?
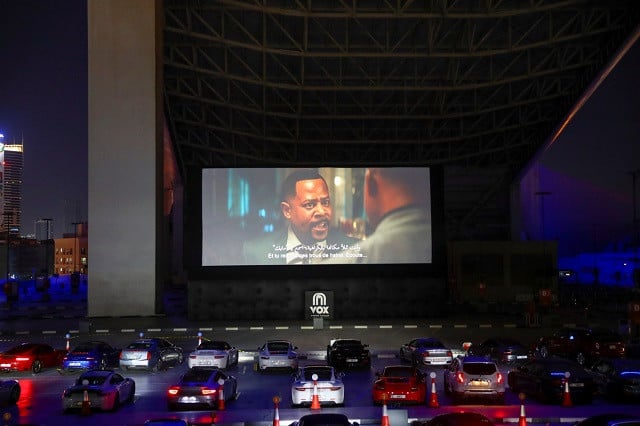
(278, 347)
(196, 375)
(137, 345)
(479, 368)
(218, 346)
(323, 374)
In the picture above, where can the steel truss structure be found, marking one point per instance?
(475, 86)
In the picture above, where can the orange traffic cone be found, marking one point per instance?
(566, 397)
(385, 416)
(315, 400)
(433, 401)
(221, 396)
(276, 414)
(86, 404)
(522, 421)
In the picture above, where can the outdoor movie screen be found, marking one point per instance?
(315, 216)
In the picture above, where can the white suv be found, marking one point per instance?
(474, 377)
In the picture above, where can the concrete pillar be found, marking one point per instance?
(125, 156)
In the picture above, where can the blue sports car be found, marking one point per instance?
(93, 354)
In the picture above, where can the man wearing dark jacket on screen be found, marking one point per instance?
(308, 238)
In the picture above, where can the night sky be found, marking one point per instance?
(43, 101)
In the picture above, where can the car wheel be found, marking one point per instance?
(180, 358)
(116, 402)
(132, 394)
(36, 367)
(158, 365)
(14, 396)
(103, 364)
(581, 358)
(414, 361)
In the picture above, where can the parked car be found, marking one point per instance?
(93, 354)
(152, 354)
(106, 390)
(463, 418)
(582, 344)
(324, 419)
(474, 377)
(9, 392)
(610, 419)
(544, 379)
(348, 353)
(501, 349)
(426, 351)
(213, 353)
(400, 384)
(617, 379)
(328, 383)
(31, 356)
(200, 386)
(277, 354)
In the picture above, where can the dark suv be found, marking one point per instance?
(582, 344)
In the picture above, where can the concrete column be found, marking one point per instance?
(125, 156)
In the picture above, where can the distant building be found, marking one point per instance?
(11, 163)
(72, 251)
(44, 229)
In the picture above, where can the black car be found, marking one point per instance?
(348, 353)
(617, 379)
(544, 379)
(501, 349)
(324, 419)
(610, 419)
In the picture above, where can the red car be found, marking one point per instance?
(31, 356)
(400, 384)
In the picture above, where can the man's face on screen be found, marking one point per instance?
(309, 212)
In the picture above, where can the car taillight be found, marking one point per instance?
(334, 388)
(425, 354)
(500, 378)
(23, 358)
(207, 391)
(174, 390)
(449, 353)
(120, 355)
(300, 388)
(90, 358)
(148, 355)
(460, 377)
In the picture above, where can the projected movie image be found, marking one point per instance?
(316, 216)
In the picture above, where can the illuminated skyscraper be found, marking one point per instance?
(11, 162)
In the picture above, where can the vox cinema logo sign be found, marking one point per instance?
(318, 304)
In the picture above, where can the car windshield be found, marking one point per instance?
(278, 346)
(479, 368)
(93, 380)
(398, 372)
(19, 349)
(196, 375)
(431, 344)
(216, 346)
(348, 343)
(323, 373)
(83, 348)
(139, 345)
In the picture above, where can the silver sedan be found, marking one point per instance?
(277, 354)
